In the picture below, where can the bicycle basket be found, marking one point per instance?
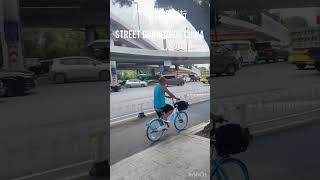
(182, 105)
(231, 139)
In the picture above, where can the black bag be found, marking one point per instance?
(231, 139)
(181, 105)
(100, 169)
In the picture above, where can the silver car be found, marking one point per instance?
(136, 83)
(66, 69)
(174, 79)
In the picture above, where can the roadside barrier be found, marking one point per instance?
(140, 107)
(265, 115)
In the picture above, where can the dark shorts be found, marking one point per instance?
(164, 109)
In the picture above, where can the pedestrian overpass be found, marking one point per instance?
(137, 56)
(226, 5)
(269, 29)
(86, 14)
(157, 57)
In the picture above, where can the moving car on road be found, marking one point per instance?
(173, 79)
(314, 53)
(135, 83)
(271, 51)
(65, 69)
(186, 78)
(244, 50)
(16, 82)
(305, 46)
(224, 61)
(301, 59)
(194, 78)
(205, 79)
(150, 79)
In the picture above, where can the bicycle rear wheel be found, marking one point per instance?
(230, 169)
(154, 130)
(181, 121)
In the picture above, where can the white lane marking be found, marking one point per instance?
(53, 170)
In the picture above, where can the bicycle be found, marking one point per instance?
(155, 126)
(222, 164)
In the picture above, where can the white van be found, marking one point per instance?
(244, 50)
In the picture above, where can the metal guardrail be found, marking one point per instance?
(146, 105)
(261, 115)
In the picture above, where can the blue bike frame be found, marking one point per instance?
(174, 117)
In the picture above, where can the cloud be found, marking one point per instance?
(153, 19)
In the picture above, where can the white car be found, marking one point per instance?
(66, 69)
(186, 78)
(244, 50)
(136, 83)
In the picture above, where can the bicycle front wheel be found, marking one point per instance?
(181, 121)
(154, 130)
(230, 169)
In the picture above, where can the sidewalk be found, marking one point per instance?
(184, 156)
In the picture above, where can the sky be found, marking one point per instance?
(308, 13)
(152, 19)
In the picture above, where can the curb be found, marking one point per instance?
(73, 177)
(195, 129)
(135, 118)
(287, 126)
(189, 132)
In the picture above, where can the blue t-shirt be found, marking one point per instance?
(159, 99)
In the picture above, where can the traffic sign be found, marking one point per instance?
(161, 69)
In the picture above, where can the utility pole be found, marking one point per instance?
(217, 21)
(138, 13)
(187, 41)
(10, 29)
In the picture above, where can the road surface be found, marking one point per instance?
(129, 139)
(291, 154)
(131, 100)
(272, 90)
(264, 78)
(50, 127)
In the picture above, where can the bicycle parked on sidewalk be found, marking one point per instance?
(226, 140)
(155, 127)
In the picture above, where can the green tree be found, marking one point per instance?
(127, 74)
(53, 43)
(295, 22)
(203, 69)
(31, 43)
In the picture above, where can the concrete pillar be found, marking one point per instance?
(2, 41)
(111, 42)
(153, 72)
(167, 65)
(11, 35)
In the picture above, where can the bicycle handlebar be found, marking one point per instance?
(218, 119)
(172, 98)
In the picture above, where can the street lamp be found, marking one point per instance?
(138, 13)
(187, 41)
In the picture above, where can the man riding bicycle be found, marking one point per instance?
(163, 110)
